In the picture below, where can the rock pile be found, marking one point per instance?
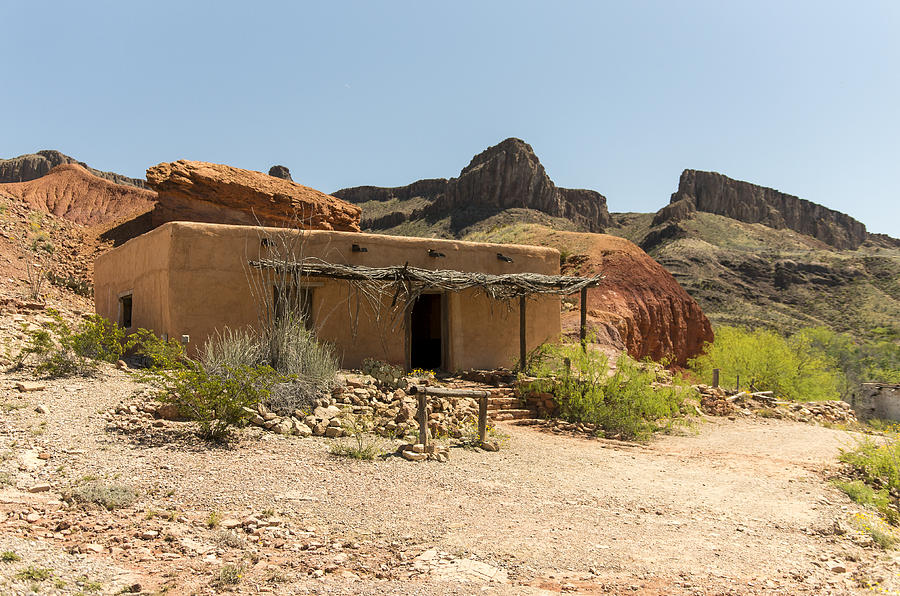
(357, 404)
(717, 401)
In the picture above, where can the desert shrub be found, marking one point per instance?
(387, 374)
(155, 352)
(108, 495)
(229, 575)
(216, 401)
(72, 283)
(875, 465)
(629, 403)
(307, 366)
(62, 351)
(363, 444)
(292, 349)
(231, 349)
(767, 361)
(860, 361)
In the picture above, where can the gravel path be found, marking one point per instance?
(739, 507)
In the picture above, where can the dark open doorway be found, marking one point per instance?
(426, 333)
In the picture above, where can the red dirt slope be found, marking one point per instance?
(71, 192)
(639, 307)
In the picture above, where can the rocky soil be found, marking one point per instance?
(736, 505)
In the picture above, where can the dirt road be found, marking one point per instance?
(731, 507)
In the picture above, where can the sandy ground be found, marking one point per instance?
(732, 507)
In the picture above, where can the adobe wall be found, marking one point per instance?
(141, 268)
(196, 282)
(877, 400)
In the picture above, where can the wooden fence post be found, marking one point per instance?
(522, 347)
(583, 330)
(482, 418)
(715, 382)
(422, 415)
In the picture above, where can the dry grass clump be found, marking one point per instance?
(109, 496)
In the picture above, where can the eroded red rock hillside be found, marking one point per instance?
(640, 307)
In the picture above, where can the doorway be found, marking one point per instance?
(426, 332)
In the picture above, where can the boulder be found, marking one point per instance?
(216, 193)
(280, 172)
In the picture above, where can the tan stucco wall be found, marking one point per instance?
(191, 279)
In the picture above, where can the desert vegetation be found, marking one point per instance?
(628, 402)
(812, 364)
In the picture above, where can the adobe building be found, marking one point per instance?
(191, 279)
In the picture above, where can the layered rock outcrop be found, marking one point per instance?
(215, 193)
(34, 165)
(506, 176)
(715, 193)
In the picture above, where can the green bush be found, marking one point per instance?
(629, 403)
(307, 366)
(62, 351)
(217, 401)
(876, 468)
(157, 353)
(768, 361)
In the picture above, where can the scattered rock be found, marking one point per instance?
(39, 488)
(413, 456)
(27, 387)
(41, 409)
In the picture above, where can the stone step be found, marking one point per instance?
(500, 403)
(500, 415)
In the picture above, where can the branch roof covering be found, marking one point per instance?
(498, 287)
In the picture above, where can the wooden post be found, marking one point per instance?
(583, 329)
(715, 381)
(482, 419)
(422, 415)
(407, 339)
(738, 383)
(522, 347)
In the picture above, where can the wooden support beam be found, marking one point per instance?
(582, 332)
(421, 390)
(422, 415)
(482, 419)
(522, 347)
(407, 339)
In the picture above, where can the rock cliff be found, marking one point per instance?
(34, 165)
(714, 193)
(506, 176)
(207, 192)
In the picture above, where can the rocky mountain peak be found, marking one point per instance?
(712, 192)
(507, 175)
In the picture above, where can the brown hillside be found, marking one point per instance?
(71, 192)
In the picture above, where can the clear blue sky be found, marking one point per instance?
(614, 96)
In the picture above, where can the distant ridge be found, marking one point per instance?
(505, 176)
(35, 165)
(712, 192)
